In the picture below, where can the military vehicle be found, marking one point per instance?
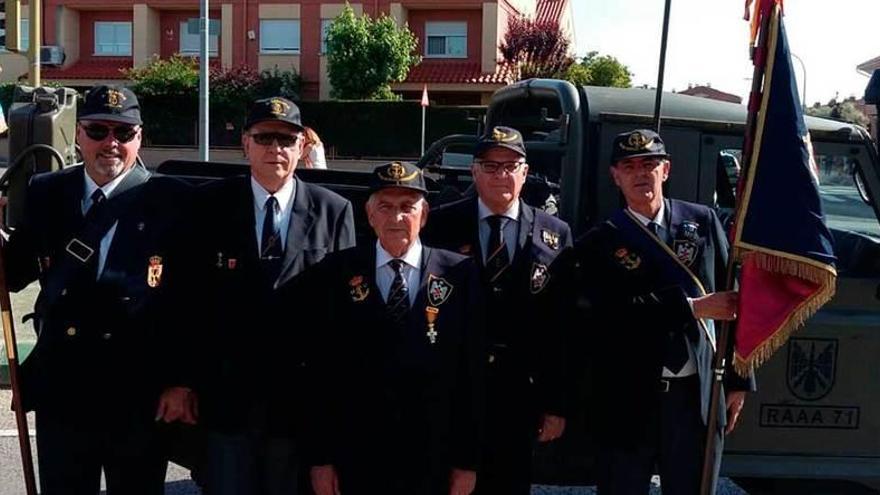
(817, 411)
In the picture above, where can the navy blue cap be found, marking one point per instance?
(275, 109)
(500, 136)
(112, 103)
(640, 142)
(398, 174)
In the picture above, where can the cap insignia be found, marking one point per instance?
(397, 173)
(278, 107)
(637, 142)
(501, 137)
(115, 98)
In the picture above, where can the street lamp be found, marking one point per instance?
(804, 68)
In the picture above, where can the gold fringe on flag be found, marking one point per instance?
(823, 275)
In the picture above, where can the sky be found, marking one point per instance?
(708, 42)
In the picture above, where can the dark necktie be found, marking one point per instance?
(656, 229)
(398, 296)
(97, 206)
(676, 347)
(270, 246)
(497, 258)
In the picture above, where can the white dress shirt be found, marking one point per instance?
(690, 367)
(509, 227)
(285, 197)
(90, 188)
(411, 268)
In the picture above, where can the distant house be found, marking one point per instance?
(458, 39)
(711, 93)
(871, 110)
(869, 67)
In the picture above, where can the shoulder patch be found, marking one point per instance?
(550, 238)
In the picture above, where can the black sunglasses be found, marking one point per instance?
(267, 138)
(122, 133)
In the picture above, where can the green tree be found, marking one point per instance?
(365, 55)
(578, 74)
(605, 70)
(538, 48)
(845, 110)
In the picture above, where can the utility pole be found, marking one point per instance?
(203, 80)
(35, 16)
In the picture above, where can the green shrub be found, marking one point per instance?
(177, 75)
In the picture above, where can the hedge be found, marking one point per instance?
(351, 128)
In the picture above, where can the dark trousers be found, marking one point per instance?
(71, 455)
(370, 478)
(250, 463)
(511, 432)
(674, 447)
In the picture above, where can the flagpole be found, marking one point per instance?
(658, 100)
(720, 360)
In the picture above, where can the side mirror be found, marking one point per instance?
(859, 181)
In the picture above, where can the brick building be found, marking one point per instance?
(458, 39)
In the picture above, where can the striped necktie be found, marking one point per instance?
(497, 257)
(398, 296)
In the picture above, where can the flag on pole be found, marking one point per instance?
(779, 235)
(425, 95)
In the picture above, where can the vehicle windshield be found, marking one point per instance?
(842, 204)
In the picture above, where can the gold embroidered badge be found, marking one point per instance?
(115, 98)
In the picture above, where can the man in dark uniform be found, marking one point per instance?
(399, 406)
(253, 236)
(649, 275)
(514, 245)
(99, 238)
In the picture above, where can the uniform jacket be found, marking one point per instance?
(389, 398)
(634, 304)
(98, 341)
(520, 334)
(245, 330)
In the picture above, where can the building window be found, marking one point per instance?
(446, 39)
(23, 34)
(279, 36)
(189, 37)
(113, 39)
(325, 28)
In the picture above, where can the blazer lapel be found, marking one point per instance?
(416, 318)
(526, 223)
(301, 219)
(73, 198)
(672, 220)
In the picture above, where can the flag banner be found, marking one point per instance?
(779, 235)
(425, 95)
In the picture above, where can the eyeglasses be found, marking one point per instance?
(122, 133)
(491, 167)
(267, 138)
